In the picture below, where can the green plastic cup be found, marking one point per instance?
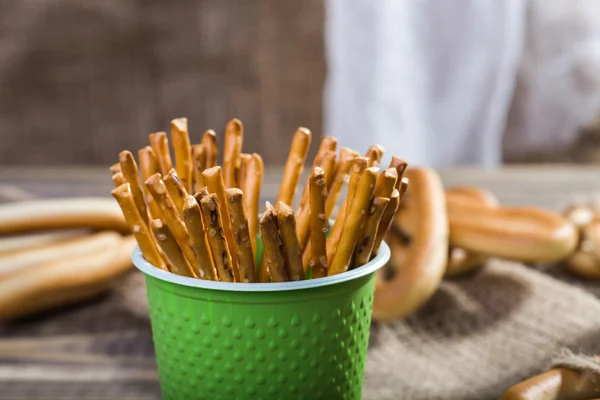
(292, 340)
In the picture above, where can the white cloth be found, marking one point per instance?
(433, 81)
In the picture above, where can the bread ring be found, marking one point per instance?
(83, 212)
(585, 261)
(426, 258)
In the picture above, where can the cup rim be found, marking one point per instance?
(382, 257)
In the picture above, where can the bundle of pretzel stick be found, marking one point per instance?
(193, 217)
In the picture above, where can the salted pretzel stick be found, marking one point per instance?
(213, 215)
(199, 163)
(149, 167)
(294, 165)
(400, 165)
(368, 234)
(160, 146)
(386, 183)
(352, 224)
(234, 138)
(209, 142)
(375, 154)
(251, 188)
(118, 179)
(243, 244)
(158, 190)
(168, 244)
(359, 164)
(115, 168)
(175, 189)
(274, 265)
(215, 184)
(388, 215)
(192, 216)
(130, 173)
(138, 227)
(183, 151)
(286, 223)
(242, 167)
(328, 145)
(319, 225)
(341, 174)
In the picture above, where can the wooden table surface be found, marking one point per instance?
(99, 350)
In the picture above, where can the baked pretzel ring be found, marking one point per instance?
(585, 261)
(425, 260)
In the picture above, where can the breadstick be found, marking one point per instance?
(160, 146)
(234, 138)
(215, 184)
(175, 189)
(241, 233)
(251, 188)
(168, 244)
(425, 259)
(400, 165)
(209, 142)
(183, 151)
(115, 168)
(91, 212)
(352, 224)
(319, 225)
(387, 219)
(192, 216)
(149, 167)
(328, 145)
(158, 190)
(274, 265)
(386, 183)
(199, 162)
(294, 165)
(366, 239)
(118, 179)
(32, 241)
(213, 215)
(375, 154)
(341, 174)
(138, 227)
(286, 223)
(130, 172)
(242, 170)
(359, 164)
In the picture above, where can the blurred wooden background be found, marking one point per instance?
(82, 80)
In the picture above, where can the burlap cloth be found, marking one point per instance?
(477, 336)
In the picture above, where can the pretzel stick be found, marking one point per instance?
(359, 164)
(213, 215)
(118, 179)
(168, 244)
(130, 172)
(192, 216)
(214, 182)
(399, 165)
(242, 168)
(234, 137)
(199, 162)
(254, 171)
(341, 174)
(294, 165)
(328, 145)
(183, 151)
(157, 189)
(328, 163)
(241, 233)
(160, 146)
(210, 144)
(319, 225)
(386, 183)
(353, 222)
(366, 239)
(137, 225)
(387, 218)
(375, 154)
(115, 168)
(286, 223)
(199, 195)
(149, 167)
(274, 265)
(175, 189)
